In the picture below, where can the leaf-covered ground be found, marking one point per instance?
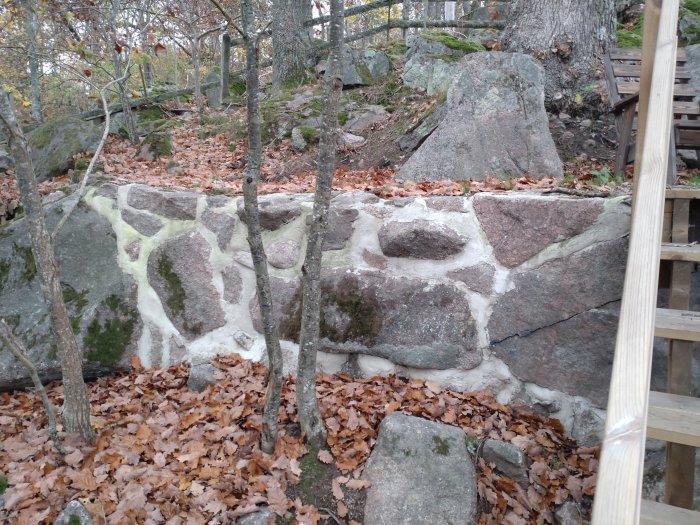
(165, 454)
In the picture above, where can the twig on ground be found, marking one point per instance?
(578, 193)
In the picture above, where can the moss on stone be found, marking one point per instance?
(343, 118)
(441, 447)
(364, 73)
(106, 341)
(4, 272)
(76, 302)
(3, 485)
(27, 255)
(364, 320)
(310, 134)
(453, 42)
(151, 114)
(176, 297)
(445, 58)
(236, 87)
(160, 144)
(41, 136)
(74, 520)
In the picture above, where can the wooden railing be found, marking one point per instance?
(618, 491)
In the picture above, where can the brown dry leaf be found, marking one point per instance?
(341, 509)
(325, 457)
(337, 491)
(135, 363)
(357, 484)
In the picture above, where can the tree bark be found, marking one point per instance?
(309, 414)
(76, 407)
(33, 61)
(568, 37)
(117, 63)
(225, 65)
(291, 44)
(257, 250)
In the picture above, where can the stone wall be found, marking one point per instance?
(514, 292)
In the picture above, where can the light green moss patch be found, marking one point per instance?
(310, 134)
(106, 341)
(27, 255)
(453, 42)
(177, 296)
(442, 447)
(445, 58)
(3, 485)
(4, 272)
(630, 38)
(151, 114)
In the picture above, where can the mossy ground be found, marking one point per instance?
(631, 36)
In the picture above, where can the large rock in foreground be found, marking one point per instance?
(421, 473)
(495, 125)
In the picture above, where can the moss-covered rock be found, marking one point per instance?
(110, 333)
(453, 42)
(155, 145)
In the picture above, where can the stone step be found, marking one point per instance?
(680, 252)
(655, 513)
(674, 418)
(677, 324)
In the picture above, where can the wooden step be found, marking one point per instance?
(677, 324)
(655, 513)
(674, 418)
(683, 192)
(680, 252)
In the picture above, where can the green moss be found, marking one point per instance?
(472, 443)
(76, 302)
(237, 87)
(217, 120)
(315, 476)
(364, 321)
(161, 144)
(81, 164)
(176, 299)
(151, 114)
(453, 42)
(364, 73)
(74, 520)
(441, 447)
(41, 136)
(4, 272)
(106, 341)
(693, 6)
(310, 134)
(631, 37)
(3, 485)
(27, 255)
(343, 118)
(445, 58)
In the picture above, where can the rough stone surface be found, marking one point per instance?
(349, 140)
(495, 125)
(573, 356)
(560, 289)
(143, 223)
(54, 143)
(275, 210)
(169, 204)
(420, 474)
(74, 508)
(478, 278)
(101, 300)
(233, 284)
(221, 224)
(180, 273)
(283, 254)
(365, 118)
(400, 319)
(261, 517)
(213, 93)
(568, 514)
(201, 376)
(430, 65)
(519, 227)
(340, 227)
(363, 67)
(509, 460)
(155, 145)
(420, 239)
(6, 161)
(298, 141)
(414, 138)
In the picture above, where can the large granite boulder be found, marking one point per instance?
(420, 473)
(101, 300)
(213, 92)
(403, 320)
(495, 125)
(54, 143)
(364, 67)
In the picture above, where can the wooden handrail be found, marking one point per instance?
(618, 490)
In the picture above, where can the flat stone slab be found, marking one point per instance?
(420, 474)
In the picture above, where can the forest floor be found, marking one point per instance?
(166, 454)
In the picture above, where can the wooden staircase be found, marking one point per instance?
(659, 230)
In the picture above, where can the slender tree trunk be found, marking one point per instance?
(407, 14)
(33, 60)
(76, 407)
(250, 197)
(291, 44)
(569, 37)
(450, 10)
(309, 414)
(197, 82)
(225, 65)
(117, 63)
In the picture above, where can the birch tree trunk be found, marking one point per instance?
(33, 60)
(569, 37)
(307, 404)
(257, 250)
(76, 407)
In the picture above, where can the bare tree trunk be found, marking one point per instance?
(76, 407)
(309, 414)
(33, 59)
(406, 14)
(569, 37)
(291, 44)
(250, 197)
(117, 63)
(225, 65)
(450, 10)
(20, 352)
(197, 82)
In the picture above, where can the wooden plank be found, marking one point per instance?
(625, 87)
(688, 139)
(680, 252)
(655, 513)
(619, 483)
(675, 419)
(634, 70)
(677, 324)
(683, 192)
(680, 458)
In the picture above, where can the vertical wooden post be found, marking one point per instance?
(225, 65)
(680, 459)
